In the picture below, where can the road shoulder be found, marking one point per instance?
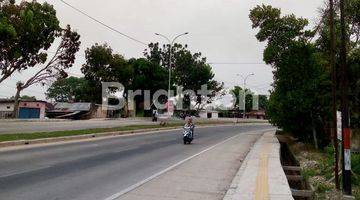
(261, 175)
(206, 176)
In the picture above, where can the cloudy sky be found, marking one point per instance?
(220, 29)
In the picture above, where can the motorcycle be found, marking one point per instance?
(188, 135)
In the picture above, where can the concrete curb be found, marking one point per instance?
(96, 135)
(261, 175)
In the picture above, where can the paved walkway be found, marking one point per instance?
(206, 176)
(225, 171)
(261, 175)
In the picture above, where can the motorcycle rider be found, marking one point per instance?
(190, 125)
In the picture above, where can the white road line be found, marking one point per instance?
(23, 172)
(122, 192)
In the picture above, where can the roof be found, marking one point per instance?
(80, 107)
(12, 101)
(72, 106)
(6, 101)
(62, 106)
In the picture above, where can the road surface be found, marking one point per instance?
(97, 169)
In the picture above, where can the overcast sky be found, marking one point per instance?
(220, 29)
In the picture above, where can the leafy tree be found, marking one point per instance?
(25, 98)
(238, 92)
(299, 102)
(263, 102)
(354, 79)
(188, 70)
(279, 31)
(102, 65)
(27, 30)
(323, 45)
(147, 76)
(71, 89)
(53, 68)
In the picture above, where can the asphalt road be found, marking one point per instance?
(98, 169)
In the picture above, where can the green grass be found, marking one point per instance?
(323, 168)
(40, 135)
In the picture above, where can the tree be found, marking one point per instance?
(263, 102)
(323, 45)
(102, 65)
(279, 31)
(147, 76)
(53, 68)
(25, 98)
(299, 102)
(188, 70)
(238, 92)
(27, 30)
(71, 89)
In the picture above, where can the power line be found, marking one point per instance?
(103, 24)
(236, 63)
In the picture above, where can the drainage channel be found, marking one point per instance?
(300, 188)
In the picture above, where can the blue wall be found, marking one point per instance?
(29, 113)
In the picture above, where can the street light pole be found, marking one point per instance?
(245, 79)
(171, 43)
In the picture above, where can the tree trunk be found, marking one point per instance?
(126, 109)
(315, 137)
(314, 131)
(16, 103)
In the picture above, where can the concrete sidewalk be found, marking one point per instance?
(215, 174)
(261, 175)
(205, 176)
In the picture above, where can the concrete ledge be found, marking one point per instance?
(261, 175)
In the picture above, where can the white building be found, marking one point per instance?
(209, 114)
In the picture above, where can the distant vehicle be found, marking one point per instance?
(188, 134)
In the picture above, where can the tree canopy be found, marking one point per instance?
(71, 89)
(189, 70)
(27, 30)
(299, 102)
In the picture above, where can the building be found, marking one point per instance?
(64, 110)
(6, 108)
(209, 114)
(28, 109)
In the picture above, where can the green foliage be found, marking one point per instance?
(26, 30)
(299, 102)
(71, 89)
(237, 90)
(189, 70)
(148, 75)
(323, 45)
(102, 65)
(354, 79)
(25, 97)
(277, 31)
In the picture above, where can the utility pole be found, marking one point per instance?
(171, 44)
(244, 84)
(344, 84)
(334, 84)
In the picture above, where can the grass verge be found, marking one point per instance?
(40, 135)
(317, 167)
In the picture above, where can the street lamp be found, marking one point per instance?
(171, 43)
(245, 79)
